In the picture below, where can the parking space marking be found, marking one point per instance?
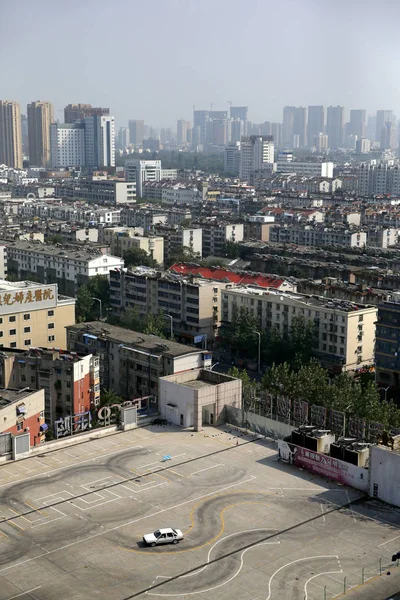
(318, 575)
(207, 469)
(389, 541)
(25, 593)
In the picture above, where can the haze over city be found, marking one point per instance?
(154, 61)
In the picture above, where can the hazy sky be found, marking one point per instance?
(155, 59)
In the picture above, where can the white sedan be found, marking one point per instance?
(163, 536)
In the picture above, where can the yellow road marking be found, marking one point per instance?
(36, 509)
(20, 516)
(175, 472)
(221, 515)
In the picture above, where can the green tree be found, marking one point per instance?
(155, 324)
(243, 375)
(134, 257)
(231, 250)
(56, 238)
(84, 304)
(240, 334)
(108, 397)
(88, 309)
(182, 255)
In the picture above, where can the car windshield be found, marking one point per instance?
(174, 531)
(157, 533)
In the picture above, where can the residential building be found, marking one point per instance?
(379, 237)
(294, 125)
(182, 127)
(121, 239)
(381, 178)
(389, 136)
(40, 116)
(77, 112)
(311, 169)
(232, 158)
(131, 362)
(198, 397)
(345, 331)
(99, 141)
(32, 314)
(138, 171)
(382, 117)
(104, 191)
(256, 154)
(200, 125)
(363, 146)
(257, 227)
(357, 124)
(178, 237)
(67, 145)
(216, 235)
(136, 132)
(387, 355)
(193, 304)
(123, 138)
(144, 217)
(69, 267)
(316, 123)
(181, 194)
(335, 126)
(317, 235)
(71, 382)
(238, 112)
(3, 261)
(22, 411)
(233, 277)
(10, 134)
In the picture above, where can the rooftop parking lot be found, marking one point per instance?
(72, 522)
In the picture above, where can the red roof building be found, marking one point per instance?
(224, 275)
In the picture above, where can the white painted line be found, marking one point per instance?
(322, 511)
(292, 563)
(207, 468)
(388, 542)
(157, 462)
(318, 575)
(158, 512)
(68, 466)
(25, 593)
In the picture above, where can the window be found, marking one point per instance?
(19, 426)
(27, 317)
(51, 338)
(33, 379)
(50, 313)
(13, 332)
(27, 329)
(27, 342)
(12, 319)
(13, 345)
(50, 326)
(1, 334)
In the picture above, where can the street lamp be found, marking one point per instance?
(172, 325)
(259, 351)
(101, 306)
(212, 366)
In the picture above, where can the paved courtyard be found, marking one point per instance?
(72, 521)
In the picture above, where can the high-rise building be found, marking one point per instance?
(237, 130)
(181, 132)
(357, 124)
(294, 124)
(276, 132)
(136, 132)
(232, 158)
(99, 141)
(335, 126)
(123, 138)
(200, 120)
(239, 112)
(10, 134)
(256, 154)
(188, 132)
(40, 117)
(24, 133)
(389, 137)
(316, 122)
(76, 112)
(67, 144)
(219, 132)
(382, 117)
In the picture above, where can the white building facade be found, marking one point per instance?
(67, 145)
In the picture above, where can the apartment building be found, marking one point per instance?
(121, 239)
(10, 134)
(256, 154)
(311, 235)
(179, 194)
(387, 355)
(380, 237)
(104, 191)
(139, 171)
(131, 363)
(308, 168)
(345, 330)
(193, 304)
(178, 237)
(145, 217)
(40, 116)
(217, 234)
(32, 314)
(22, 411)
(68, 267)
(71, 382)
(257, 227)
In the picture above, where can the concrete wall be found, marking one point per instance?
(182, 397)
(256, 423)
(384, 466)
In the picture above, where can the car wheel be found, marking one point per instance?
(175, 542)
(153, 544)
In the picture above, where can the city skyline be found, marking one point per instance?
(323, 59)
